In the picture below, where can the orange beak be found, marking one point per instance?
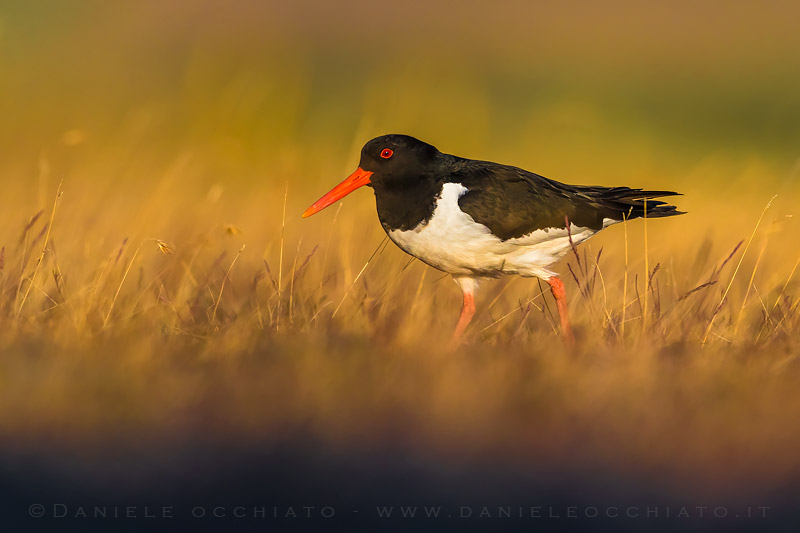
(357, 179)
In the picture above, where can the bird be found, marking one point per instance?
(477, 219)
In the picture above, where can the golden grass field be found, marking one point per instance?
(165, 313)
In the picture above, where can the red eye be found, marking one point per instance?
(386, 153)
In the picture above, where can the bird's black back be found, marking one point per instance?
(513, 202)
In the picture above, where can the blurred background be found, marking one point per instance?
(566, 88)
(172, 120)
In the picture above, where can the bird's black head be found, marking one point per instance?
(391, 164)
(397, 161)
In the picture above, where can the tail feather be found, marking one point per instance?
(625, 203)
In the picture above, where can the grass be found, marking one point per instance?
(331, 330)
(146, 319)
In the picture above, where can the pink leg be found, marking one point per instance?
(469, 286)
(560, 294)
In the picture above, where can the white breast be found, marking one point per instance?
(453, 242)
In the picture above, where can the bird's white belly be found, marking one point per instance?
(453, 242)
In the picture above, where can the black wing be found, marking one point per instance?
(513, 202)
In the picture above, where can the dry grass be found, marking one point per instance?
(330, 330)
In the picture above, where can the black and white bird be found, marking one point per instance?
(478, 219)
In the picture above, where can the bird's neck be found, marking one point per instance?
(406, 207)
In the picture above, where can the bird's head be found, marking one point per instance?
(387, 162)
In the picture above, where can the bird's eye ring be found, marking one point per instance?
(386, 153)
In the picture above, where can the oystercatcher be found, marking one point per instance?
(477, 219)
